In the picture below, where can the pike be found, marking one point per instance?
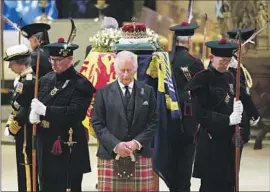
(255, 34)
(14, 25)
(237, 136)
(190, 6)
(204, 38)
(19, 37)
(34, 134)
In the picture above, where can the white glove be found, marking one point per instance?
(235, 118)
(254, 122)
(238, 106)
(6, 132)
(38, 107)
(34, 117)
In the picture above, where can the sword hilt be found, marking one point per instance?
(70, 142)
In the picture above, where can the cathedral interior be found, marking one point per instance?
(215, 18)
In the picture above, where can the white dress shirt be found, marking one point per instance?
(122, 86)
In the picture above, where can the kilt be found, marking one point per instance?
(142, 181)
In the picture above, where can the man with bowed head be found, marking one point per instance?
(124, 120)
(63, 98)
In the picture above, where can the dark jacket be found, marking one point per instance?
(64, 110)
(110, 123)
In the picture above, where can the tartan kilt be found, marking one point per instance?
(142, 181)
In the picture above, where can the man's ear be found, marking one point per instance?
(211, 57)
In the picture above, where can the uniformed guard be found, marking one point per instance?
(245, 78)
(37, 34)
(184, 67)
(217, 113)
(18, 125)
(64, 96)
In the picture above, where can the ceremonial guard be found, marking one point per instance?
(124, 120)
(64, 96)
(251, 112)
(18, 124)
(184, 67)
(217, 113)
(37, 34)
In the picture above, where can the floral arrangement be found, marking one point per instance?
(153, 37)
(105, 39)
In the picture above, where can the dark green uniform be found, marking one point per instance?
(66, 108)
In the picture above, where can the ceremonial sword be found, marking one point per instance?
(70, 144)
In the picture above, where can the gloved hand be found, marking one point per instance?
(238, 106)
(6, 132)
(34, 117)
(235, 118)
(254, 122)
(38, 107)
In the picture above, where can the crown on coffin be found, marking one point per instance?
(134, 30)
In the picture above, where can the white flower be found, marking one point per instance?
(105, 38)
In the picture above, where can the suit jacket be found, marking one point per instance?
(110, 123)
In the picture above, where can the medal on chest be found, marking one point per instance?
(227, 98)
(19, 88)
(55, 90)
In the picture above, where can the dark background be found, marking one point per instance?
(121, 10)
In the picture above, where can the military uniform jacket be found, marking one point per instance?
(249, 107)
(184, 67)
(214, 92)
(44, 65)
(20, 102)
(65, 109)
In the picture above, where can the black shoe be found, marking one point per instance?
(258, 144)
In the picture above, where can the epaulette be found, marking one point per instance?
(82, 76)
(200, 72)
(29, 77)
(190, 54)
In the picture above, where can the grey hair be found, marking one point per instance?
(125, 54)
(39, 36)
(109, 22)
(24, 61)
(183, 39)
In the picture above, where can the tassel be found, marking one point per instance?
(57, 149)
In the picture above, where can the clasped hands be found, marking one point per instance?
(37, 109)
(125, 149)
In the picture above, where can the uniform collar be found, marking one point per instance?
(26, 71)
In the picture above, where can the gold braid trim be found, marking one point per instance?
(14, 127)
(26, 162)
(249, 81)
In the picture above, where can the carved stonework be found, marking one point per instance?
(244, 14)
(262, 15)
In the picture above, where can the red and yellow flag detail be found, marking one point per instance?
(98, 69)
